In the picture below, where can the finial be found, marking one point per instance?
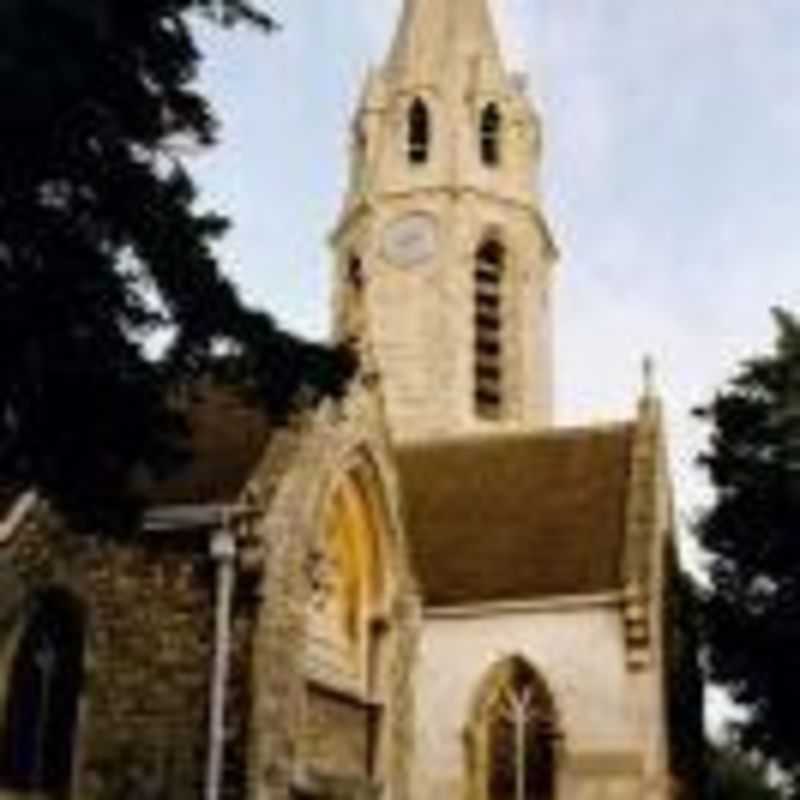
(648, 377)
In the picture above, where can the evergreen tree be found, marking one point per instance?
(752, 533)
(103, 248)
(732, 775)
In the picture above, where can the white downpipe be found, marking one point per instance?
(223, 552)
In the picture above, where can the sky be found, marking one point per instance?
(671, 180)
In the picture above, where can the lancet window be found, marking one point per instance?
(419, 132)
(41, 714)
(491, 135)
(517, 735)
(489, 268)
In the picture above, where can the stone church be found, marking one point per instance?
(423, 590)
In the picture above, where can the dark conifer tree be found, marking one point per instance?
(752, 533)
(103, 248)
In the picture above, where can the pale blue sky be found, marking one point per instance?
(672, 178)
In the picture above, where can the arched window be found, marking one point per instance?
(517, 733)
(491, 133)
(350, 622)
(489, 268)
(419, 132)
(347, 583)
(45, 683)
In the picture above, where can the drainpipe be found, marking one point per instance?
(223, 553)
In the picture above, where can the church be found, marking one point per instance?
(424, 589)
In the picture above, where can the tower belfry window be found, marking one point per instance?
(419, 132)
(488, 392)
(490, 133)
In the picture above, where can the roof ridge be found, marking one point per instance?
(573, 431)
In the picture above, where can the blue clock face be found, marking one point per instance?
(411, 239)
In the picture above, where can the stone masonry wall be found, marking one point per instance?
(149, 601)
(280, 762)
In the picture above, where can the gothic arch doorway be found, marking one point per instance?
(513, 736)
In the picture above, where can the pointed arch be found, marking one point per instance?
(491, 135)
(352, 613)
(513, 735)
(42, 709)
(350, 574)
(419, 132)
(490, 264)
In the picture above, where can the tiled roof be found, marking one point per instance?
(517, 517)
(228, 438)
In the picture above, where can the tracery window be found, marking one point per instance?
(41, 713)
(349, 628)
(518, 736)
(489, 268)
(491, 135)
(344, 569)
(419, 132)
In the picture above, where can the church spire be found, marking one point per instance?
(443, 255)
(435, 34)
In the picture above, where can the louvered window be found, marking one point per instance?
(419, 132)
(491, 133)
(489, 330)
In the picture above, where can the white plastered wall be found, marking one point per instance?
(577, 646)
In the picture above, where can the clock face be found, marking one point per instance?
(410, 239)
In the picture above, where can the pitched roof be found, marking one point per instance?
(228, 438)
(517, 517)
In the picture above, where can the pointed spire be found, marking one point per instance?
(648, 377)
(434, 32)
(649, 399)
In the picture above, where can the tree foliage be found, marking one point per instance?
(733, 775)
(103, 247)
(752, 533)
(684, 681)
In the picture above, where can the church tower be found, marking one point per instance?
(443, 258)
